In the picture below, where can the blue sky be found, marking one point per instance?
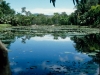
(42, 6)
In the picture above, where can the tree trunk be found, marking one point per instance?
(4, 63)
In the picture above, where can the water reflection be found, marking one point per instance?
(53, 54)
(89, 44)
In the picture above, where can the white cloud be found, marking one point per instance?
(17, 69)
(49, 11)
(13, 63)
(54, 67)
(50, 38)
(82, 74)
(63, 59)
(79, 58)
(69, 53)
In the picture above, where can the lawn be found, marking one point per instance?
(3, 26)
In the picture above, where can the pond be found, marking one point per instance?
(52, 53)
(45, 55)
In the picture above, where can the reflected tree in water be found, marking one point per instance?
(89, 44)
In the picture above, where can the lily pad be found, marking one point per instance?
(92, 54)
(97, 50)
(33, 67)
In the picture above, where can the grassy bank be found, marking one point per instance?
(3, 26)
(72, 29)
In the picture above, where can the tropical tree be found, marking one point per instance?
(72, 19)
(56, 18)
(49, 21)
(28, 13)
(5, 8)
(78, 1)
(63, 18)
(23, 9)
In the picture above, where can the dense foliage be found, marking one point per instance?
(86, 13)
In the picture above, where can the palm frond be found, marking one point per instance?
(53, 1)
(74, 2)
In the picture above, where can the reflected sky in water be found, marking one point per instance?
(48, 56)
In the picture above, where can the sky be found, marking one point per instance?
(43, 6)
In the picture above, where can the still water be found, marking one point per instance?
(48, 56)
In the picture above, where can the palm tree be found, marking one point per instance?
(23, 9)
(28, 13)
(77, 1)
(74, 1)
(4, 6)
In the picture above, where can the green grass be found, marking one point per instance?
(3, 26)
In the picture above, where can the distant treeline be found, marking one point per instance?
(86, 14)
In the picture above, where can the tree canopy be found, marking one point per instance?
(76, 1)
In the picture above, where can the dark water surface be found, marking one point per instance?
(48, 56)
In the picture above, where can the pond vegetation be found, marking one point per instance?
(49, 49)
